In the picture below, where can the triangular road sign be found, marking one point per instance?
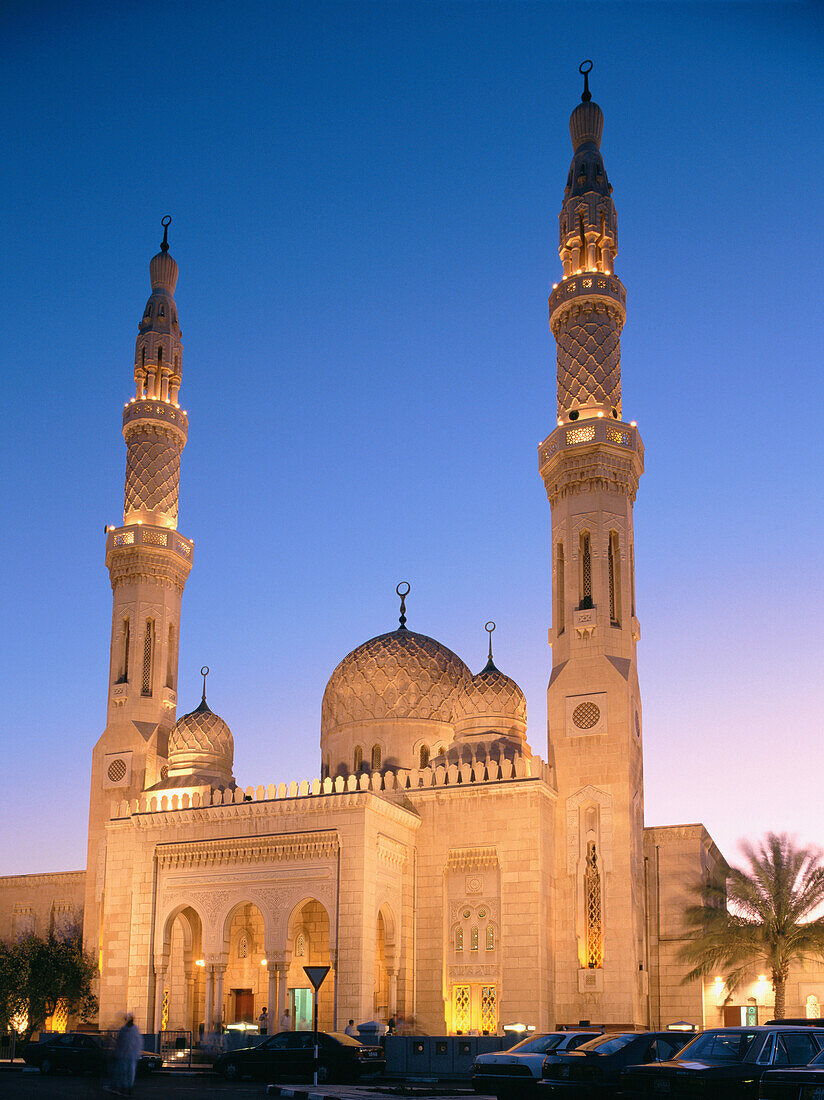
(316, 974)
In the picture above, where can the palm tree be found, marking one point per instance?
(762, 915)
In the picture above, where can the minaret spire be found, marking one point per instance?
(587, 314)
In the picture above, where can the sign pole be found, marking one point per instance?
(316, 974)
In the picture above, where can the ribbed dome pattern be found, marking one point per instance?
(586, 123)
(396, 675)
(490, 695)
(201, 733)
(163, 272)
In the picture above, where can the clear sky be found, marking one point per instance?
(365, 202)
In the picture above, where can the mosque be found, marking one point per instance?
(440, 867)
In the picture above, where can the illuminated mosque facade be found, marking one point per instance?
(443, 870)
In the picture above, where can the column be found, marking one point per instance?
(273, 1008)
(188, 999)
(158, 1013)
(218, 1015)
(393, 992)
(210, 999)
(283, 1004)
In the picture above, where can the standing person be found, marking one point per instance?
(351, 1030)
(286, 1021)
(390, 1027)
(126, 1054)
(263, 1022)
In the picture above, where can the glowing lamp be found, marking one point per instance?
(199, 962)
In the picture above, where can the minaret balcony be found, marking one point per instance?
(156, 410)
(591, 454)
(576, 434)
(588, 285)
(144, 534)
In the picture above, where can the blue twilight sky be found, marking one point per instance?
(365, 201)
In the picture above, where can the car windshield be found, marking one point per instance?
(606, 1044)
(721, 1046)
(818, 1060)
(537, 1044)
(344, 1040)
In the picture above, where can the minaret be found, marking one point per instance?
(590, 465)
(148, 562)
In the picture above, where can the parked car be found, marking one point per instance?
(725, 1061)
(506, 1072)
(593, 1070)
(290, 1054)
(79, 1053)
(795, 1081)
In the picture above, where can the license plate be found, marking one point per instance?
(662, 1084)
(371, 1054)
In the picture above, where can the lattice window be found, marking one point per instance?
(461, 1007)
(586, 570)
(358, 758)
(170, 658)
(300, 945)
(813, 1007)
(242, 947)
(164, 1016)
(148, 657)
(459, 938)
(424, 757)
(592, 911)
(376, 758)
(614, 565)
(490, 938)
(155, 538)
(586, 716)
(125, 639)
(560, 586)
(616, 435)
(584, 434)
(489, 1009)
(473, 938)
(125, 538)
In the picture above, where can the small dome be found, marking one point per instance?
(163, 272)
(202, 744)
(397, 675)
(490, 702)
(586, 123)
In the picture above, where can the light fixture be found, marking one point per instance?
(762, 977)
(199, 962)
(633, 424)
(263, 962)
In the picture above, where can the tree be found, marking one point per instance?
(37, 974)
(762, 915)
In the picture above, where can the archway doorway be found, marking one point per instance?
(309, 945)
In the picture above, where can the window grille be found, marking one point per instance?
(490, 938)
(559, 586)
(300, 945)
(459, 939)
(358, 758)
(813, 1007)
(170, 658)
(424, 756)
(461, 1007)
(592, 905)
(242, 947)
(473, 938)
(125, 638)
(148, 655)
(376, 758)
(489, 1009)
(586, 570)
(614, 563)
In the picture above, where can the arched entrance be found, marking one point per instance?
(179, 985)
(246, 978)
(385, 989)
(308, 944)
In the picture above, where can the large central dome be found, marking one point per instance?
(397, 675)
